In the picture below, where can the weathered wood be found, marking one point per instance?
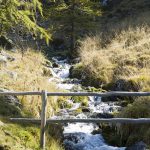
(89, 120)
(43, 119)
(107, 94)
(26, 120)
(20, 93)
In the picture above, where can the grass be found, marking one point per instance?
(27, 73)
(118, 58)
(20, 136)
(31, 76)
(126, 58)
(132, 133)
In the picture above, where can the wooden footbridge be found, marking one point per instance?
(43, 121)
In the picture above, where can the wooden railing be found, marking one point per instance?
(43, 121)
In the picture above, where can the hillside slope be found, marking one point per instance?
(117, 58)
(24, 73)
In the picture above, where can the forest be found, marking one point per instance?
(93, 46)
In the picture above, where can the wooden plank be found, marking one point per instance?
(43, 119)
(20, 93)
(112, 120)
(89, 120)
(107, 94)
(26, 120)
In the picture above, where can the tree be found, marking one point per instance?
(23, 12)
(73, 17)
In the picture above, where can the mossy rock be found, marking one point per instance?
(6, 43)
(9, 106)
(63, 103)
(76, 71)
(93, 89)
(77, 111)
(125, 85)
(80, 99)
(84, 102)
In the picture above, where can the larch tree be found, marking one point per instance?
(21, 12)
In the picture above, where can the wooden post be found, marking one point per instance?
(43, 119)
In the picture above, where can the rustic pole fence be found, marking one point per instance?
(43, 121)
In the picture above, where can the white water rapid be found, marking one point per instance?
(78, 136)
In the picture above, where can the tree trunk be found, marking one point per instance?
(72, 44)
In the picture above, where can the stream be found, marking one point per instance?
(78, 136)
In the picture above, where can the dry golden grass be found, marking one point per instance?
(29, 77)
(122, 53)
(126, 56)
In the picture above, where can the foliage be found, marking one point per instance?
(14, 12)
(73, 18)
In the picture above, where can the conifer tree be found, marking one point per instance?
(74, 17)
(22, 12)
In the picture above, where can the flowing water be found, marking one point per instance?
(78, 136)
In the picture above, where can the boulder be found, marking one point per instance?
(8, 57)
(3, 60)
(55, 65)
(13, 75)
(6, 43)
(85, 110)
(4, 57)
(9, 105)
(101, 115)
(137, 146)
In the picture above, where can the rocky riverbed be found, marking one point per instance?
(80, 136)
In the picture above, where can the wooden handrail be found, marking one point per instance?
(88, 120)
(43, 120)
(106, 94)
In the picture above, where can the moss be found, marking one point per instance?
(84, 102)
(76, 71)
(21, 136)
(8, 109)
(77, 111)
(79, 99)
(94, 89)
(63, 103)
